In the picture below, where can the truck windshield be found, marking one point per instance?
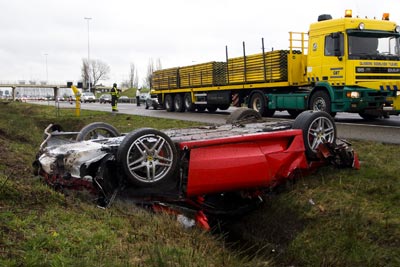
(373, 45)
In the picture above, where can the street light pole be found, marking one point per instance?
(88, 49)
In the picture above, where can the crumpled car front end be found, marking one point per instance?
(69, 160)
(66, 163)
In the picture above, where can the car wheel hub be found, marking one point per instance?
(150, 157)
(320, 131)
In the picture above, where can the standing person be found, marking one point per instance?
(114, 97)
(138, 97)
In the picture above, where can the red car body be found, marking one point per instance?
(191, 168)
(243, 162)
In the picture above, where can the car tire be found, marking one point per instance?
(243, 115)
(97, 130)
(318, 127)
(148, 158)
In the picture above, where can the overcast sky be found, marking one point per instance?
(178, 32)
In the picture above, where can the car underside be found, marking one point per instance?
(199, 172)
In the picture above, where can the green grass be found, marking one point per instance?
(331, 218)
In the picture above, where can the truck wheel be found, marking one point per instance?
(187, 100)
(148, 158)
(201, 108)
(169, 103)
(257, 102)
(97, 130)
(320, 101)
(178, 103)
(318, 127)
(368, 117)
(243, 115)
(224, 107)
(212, 108)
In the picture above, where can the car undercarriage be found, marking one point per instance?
(200, 172)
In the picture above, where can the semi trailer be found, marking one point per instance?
(349, 64)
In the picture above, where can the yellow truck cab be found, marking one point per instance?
(357, 61)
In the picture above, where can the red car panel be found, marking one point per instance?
(240, 162)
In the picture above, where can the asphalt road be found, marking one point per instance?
(349, 126)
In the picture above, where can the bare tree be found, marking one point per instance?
(99, 70)
(85, 72)
(136, 81)
(158, 64)
(132, 75)
(149, 75)
(150, 69)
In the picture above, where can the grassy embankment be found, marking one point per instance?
(331, 218)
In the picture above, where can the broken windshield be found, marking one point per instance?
(373, 45)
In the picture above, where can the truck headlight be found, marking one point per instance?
(353, 94)
(398, 93)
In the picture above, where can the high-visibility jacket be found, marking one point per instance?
(114, 92)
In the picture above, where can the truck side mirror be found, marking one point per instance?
(338, 44)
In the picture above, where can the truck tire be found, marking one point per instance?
(148, 158)
(187, 100)
(258, 103)
(320, 101)
(201, 108)
(318, 127)
(243, 115)
(224, 107)
(212, 108)
(368, 117)
(169, 103)
(97, 130)
(178, 103)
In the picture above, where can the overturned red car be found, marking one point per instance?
(199, 172)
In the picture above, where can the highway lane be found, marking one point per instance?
(349, 126)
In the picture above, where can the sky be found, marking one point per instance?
(47, 39)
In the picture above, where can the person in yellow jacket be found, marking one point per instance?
(114, 97)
